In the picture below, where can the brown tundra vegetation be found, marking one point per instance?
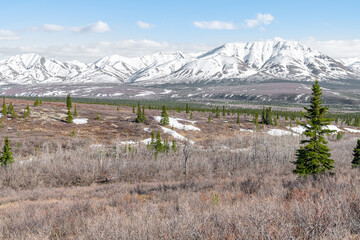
(238, 186)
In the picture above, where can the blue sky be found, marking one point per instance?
(87, 30)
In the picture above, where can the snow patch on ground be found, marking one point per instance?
(80, 120)
(146, 93)
(175, 134)
(302, 129)
(166, 91)
(352, 130)
(246, 130)
(173, 122)
(279, 132)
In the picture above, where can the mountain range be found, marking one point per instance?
(252, 61)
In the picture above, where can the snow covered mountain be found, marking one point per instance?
(353, 64)
(279, 59)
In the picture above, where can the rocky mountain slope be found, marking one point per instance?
(266, 60)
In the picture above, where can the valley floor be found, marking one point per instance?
(233, 182)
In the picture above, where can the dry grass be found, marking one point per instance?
(236, 188)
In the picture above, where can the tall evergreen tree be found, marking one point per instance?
(6, 157)
(263, 116)
(68, 102)
(269, 116)
(159, 147)
(223, 111)
(139, 118)
(238, 118)
(314, 157)
(36, 103)
(28, 111)
(356, 153)
(164, 117)
(4, 110)
(75, 111)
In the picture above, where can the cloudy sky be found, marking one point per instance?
(87, 30)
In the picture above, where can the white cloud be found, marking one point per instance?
(8, 35)
(336, 48)
(52, 27)
(98, 27)
(145, 25)
(218, 25)
(261, 19)
(94, 51)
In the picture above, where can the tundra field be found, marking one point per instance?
(96, 178)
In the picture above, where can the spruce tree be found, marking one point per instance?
(143, 113)
(4, 110)
(28, 111)
(139, 118)
(152, 141)
(164, 117)
(238, 118)
(223, 111)
(159, 147)
(41, 102)
(187, 108)
(209, 118)
(217, 112)
(6, 157)
(191, 116)
(36, 103)
(173, 146)
(68, 102)
(263, 116)
(314, 157)
(356, 153)
(97, 116)
(69, 118)
(269, 116)
(75, 111)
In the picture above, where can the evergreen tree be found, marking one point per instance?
(152, 141)
(75, 111)
(164, 117)
(28, 111)
(263, 116)
(133, 109)
(10, 108)
(223, 111)
(314, 157)
(68, 102)
(117, 109)
(191, 116)
(159, 147)
(269, 116)
(69, 118)
(4, 111)
(36, 103)
(139, 118)
(41, 102)
(166, 146)
(356, 153)
(256, 121)
(97, 116)
(6, 157)
(187, 108)
(238, 118)
(173, 146)
(209, 118)
(143, 113)
(217, 112)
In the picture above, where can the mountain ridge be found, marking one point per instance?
(273, 59)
